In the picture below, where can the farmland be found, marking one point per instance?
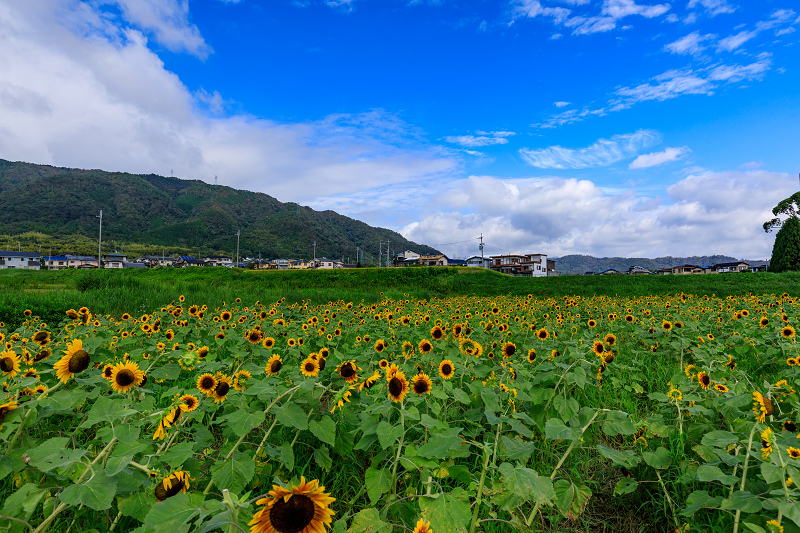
(416, 400)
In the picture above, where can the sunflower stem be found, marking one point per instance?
(115, 522)
(738, 515)
(399, 449)
(27, 415)
(44, 525)
(669, 500)
(479, 495)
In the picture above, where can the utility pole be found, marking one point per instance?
(380, 252)
(238, 233)
(480, 246)
(315, 252)
(387, 254)
(99, 239)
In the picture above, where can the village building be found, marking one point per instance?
(20, 260)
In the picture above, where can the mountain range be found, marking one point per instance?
(579, 264)
(177, 215)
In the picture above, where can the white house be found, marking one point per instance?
(477, 261)
(19, 260)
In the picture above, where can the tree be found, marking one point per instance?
(786, 250)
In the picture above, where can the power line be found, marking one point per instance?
(457, 242)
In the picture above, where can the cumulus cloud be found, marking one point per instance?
(690, 44)
(80, 90)
(658, 158)
(602, 153)
(706, 213)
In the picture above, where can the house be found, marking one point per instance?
(260, 264)
(114, 260)
(534, 265)
(551, 267)
(55, 262)
(478, 261)
(81, 261)
(433, 260)
(218, 260)
(188, 261)
(324, 263)
(636, 270)
(687, 269)
(407, 258)
(507, 264)
(608, 271)
(281, 264)
(759, 266)
(664, 271)
(301, 264)
(339, 264)
(735, 266)
(133, 265)
(20, 260)
(158, 261)
(457, 262)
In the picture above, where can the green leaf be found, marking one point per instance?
(555, 429)
(388, 434)
(755, 528)
(790, 510)
(122, 456)
(292, 415)
(137, 505)
(707, 473)
(107, 409)
(515, 449)
(287, 455)
(527, 484)
(660, 459)
(625, 485)
(719, 438)
(322, 457)
(126, 433)
(626, 458)
(772, 473)
(742, 500)
(441, 443)
(169, 371)
(617, 423)
(243, 421)
(173, 514)
(233, 474)
(324, 429)
(369, 521)
(571, 499)
(445, 513)
(378, 483)
(177, 454)
(97, 493)
(698, 500)
(461, 396)
(26, 499)
(566, 407)
(53, 453)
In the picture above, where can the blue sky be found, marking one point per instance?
(605, 127)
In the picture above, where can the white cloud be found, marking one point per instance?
(78, 91)
(729, 44)
(624, 8)
(672, 17)
(658, 158)
(602, 153)
(690, 44)
(561, 104)
(784, 31)
(484, 138)
(713, 7)
(534, 8)
(166, 20)
(585, 26)
(708, 213)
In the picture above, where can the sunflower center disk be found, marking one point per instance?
(125, 377)
(79, 361)
(446, 370)
(292, 516)
(395, 387)
(222, 389)
(420, 387)
(348, 371)
(6, 364)
(275, 367)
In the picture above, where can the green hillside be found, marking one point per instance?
(186, 216)
(580, 264)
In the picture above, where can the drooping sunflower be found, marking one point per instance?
(125, 376)
(189, 403)
(221, 390)
(9, 363)
(766, 443)
(703, 380)
(447, 369)
(689, 371)
(610, 339)
(531, 355)
(509, 349)
(6, 408)
(206, 383)
(542, 334)
(43, 354)
(398, 386)
(274, 365)
(370, 381)
(348, 371)
(423, 527)
(762, 406)
(75, 360)
(721, 388)
(425, 346)
(421, 384)
(380, 345)
(408, 349)
(310, 367)
(787, 332)
(172, 485)
(789, 425)
(42, 338)
(303, 509)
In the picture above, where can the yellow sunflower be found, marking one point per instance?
(172, 485)
(240, 380)
(447, 369)
(222, 388)
(542, 334)
(398, 386)
(9, 363)
(206, 383)
(274, 365)
(509, 349)
(125, 376)
(370, 381)
(348, 371)
(423, 527)
(310, 367)
(421, 384)
(703, 380)
(766, 443)
(303, 509)
(762, 406)
(787, 332)
(189, 403)
(6, 408)
(75, 360)
(425, 346)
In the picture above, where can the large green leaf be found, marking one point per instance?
(445, 513)
(178, 453)
(719, 438)
(742, 500)
(527, 484)
(369, 521)
(571, 498)
(243, 421)
(555, 429)
(174, 514)
(378, 483)
(107, 409)
(626, 458)
(441, 443)
(122, 456)
(97, 493)
(388, 434)
(53, 453)
(292, 415)
(324, 429)
(660, 459)
(233, 474)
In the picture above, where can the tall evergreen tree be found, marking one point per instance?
(786, 250)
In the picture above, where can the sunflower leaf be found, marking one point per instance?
(527, 484)
(292, 415)
(233, 474)
(53, 454)
(445, 513)
(369, 521)
(243, 421)
(177, 454)
(378, 483)
(97, 493)
(323, 458)
(324, 429)
(388, 434)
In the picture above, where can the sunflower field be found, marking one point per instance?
(446, 415)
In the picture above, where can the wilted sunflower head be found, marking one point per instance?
(172, 485)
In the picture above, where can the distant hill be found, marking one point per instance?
(177, 214)
(580, 264)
